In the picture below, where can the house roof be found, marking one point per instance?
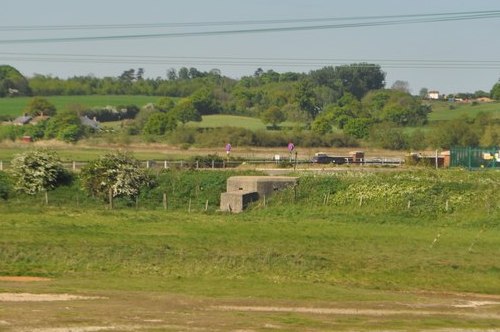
(86, 121)
(22, 120)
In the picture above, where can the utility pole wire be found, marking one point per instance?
(375, 23)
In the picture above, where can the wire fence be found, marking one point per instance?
(475, 157)
(222, 164)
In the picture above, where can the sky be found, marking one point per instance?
(454, 50)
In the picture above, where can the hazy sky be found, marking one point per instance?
(461, 55)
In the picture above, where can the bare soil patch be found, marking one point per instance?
(362, 312)
(29, 297)
(23, 278)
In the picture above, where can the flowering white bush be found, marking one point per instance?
(36, 171)
(118, 172)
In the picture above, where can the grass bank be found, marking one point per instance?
(371, 263)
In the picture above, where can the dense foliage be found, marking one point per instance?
(13, 83)
(5, 185)
(117, 173)
(39, 106)
(36, 171)
(331, 106)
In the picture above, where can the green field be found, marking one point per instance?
(441, 111)
(221, 120)
(16, 106)
(315, 258)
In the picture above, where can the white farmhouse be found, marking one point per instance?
(433, 95)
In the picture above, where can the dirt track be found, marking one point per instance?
(134, 311)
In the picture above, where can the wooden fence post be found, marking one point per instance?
(165, 206)
(110, 198)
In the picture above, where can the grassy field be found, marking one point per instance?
(221, 120)
(16, 106)
(441, 111)
(316, 258)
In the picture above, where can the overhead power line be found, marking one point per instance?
(248, 61)
(395, 20)
(239, 22)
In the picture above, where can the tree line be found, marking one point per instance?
(336, 105)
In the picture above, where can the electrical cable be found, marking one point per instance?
(446, 18)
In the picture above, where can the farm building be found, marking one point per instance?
(434, 95)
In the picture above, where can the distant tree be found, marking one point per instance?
(159, 123)
(396, 106)
(457, 132)
(387, 136)
(258, 72)
(402, 86)
(183, 73)
(37, 171)
(274, 116)
(186, 111)
(347, 107)
(194, 73)
(481, 94)
(204, 102)
(12, 82)
(128, 76)
(423, 93)
(321, 125)
(215, 72)
(171, 74)
(306, 99)
(65, 126)
(358, 128)
(294, 113)
(40, 106)
(495, 91)
(357, 79)
(139, 75)
(165, 104)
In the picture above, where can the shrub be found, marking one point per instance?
(110, 113)
(118, 172)
(36, 171)
(206, 161)
(5, 186)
